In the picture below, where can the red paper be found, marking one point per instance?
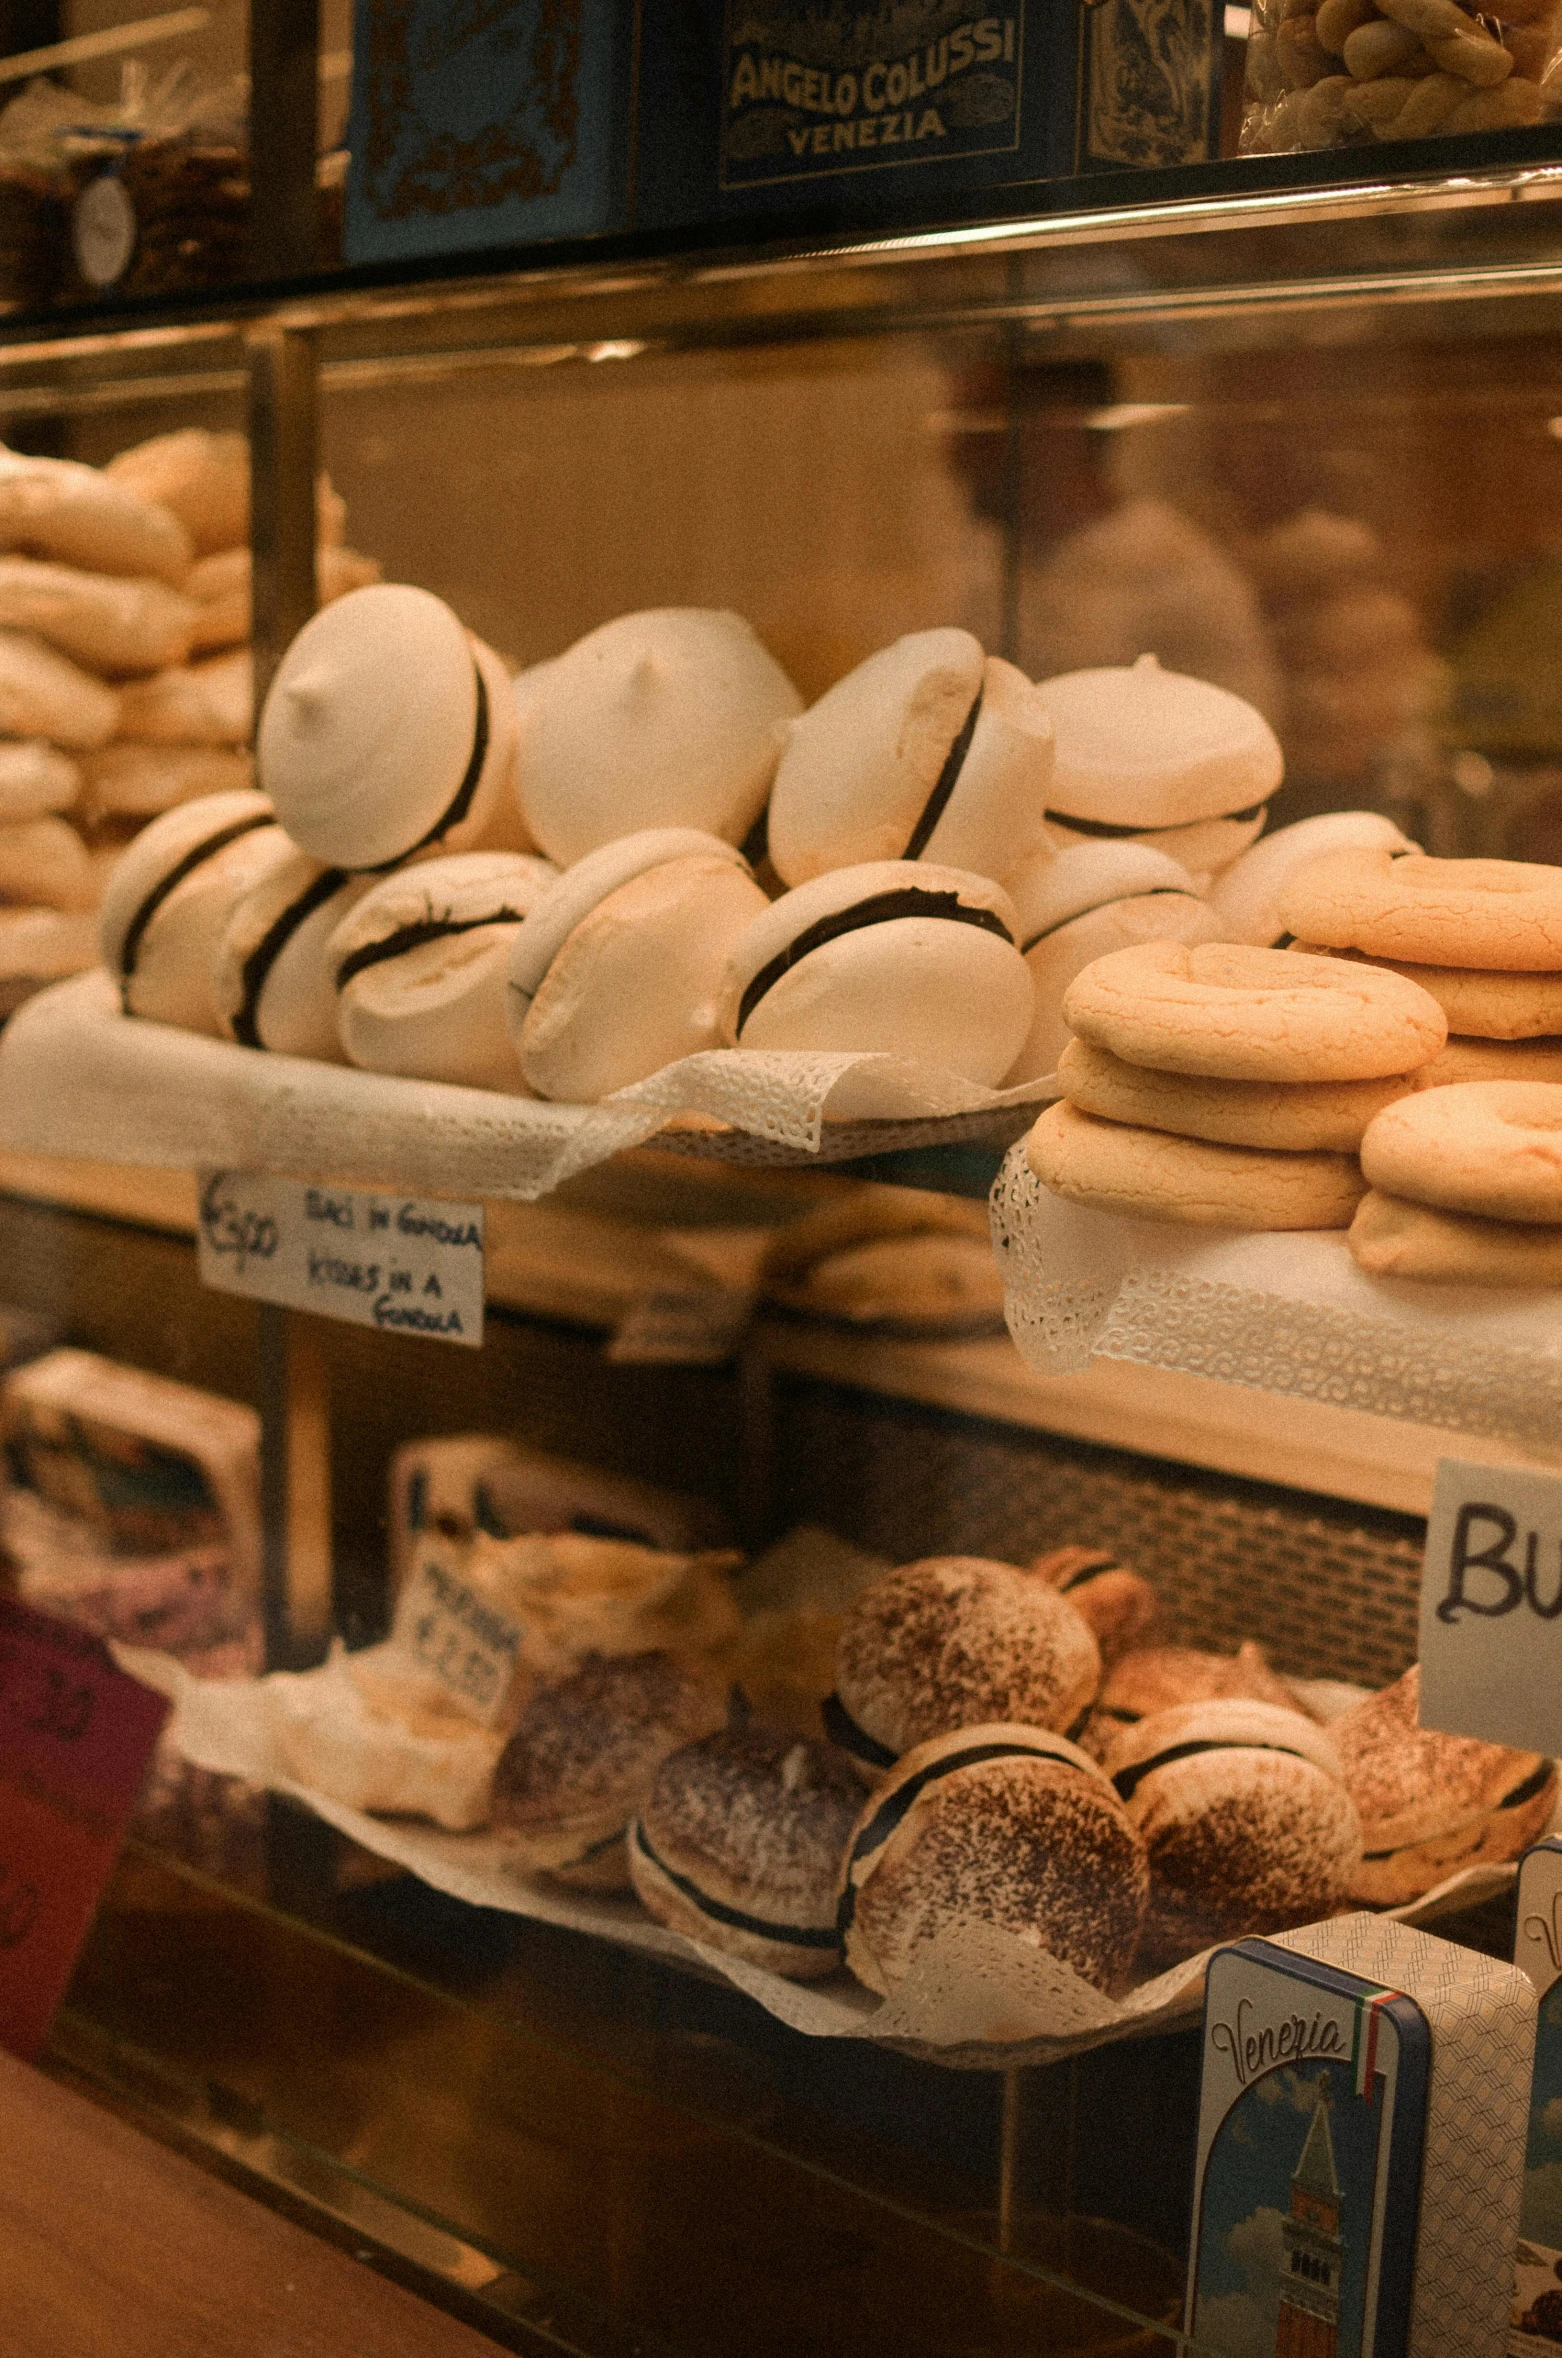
(76, 1736)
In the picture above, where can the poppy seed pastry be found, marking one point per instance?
(387, 730)
(1121, 1606)
(949, 1641)
(1143, 754)
(739, 1844)
(1246, 898)
(928, 748)
(1432, 1804)
(617, 970)
(1149, 1679)
(897, 956)
(422, 968)
(271, 977)
(1075, 906)
(996, 1824)
(168, 900)
(1245, 1817)
(671, 718)
(582, 1759)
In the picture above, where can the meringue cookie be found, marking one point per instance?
(1090, 899)
(1149, 755)
(671, 718)
(928, 749)
(271, 979)
(894, 955)
(168, 900)
(422, 969)
(1246, 898)
(389, 730)
(616, 971)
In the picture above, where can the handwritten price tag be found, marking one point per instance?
(76, 1736)
(395, 1262)
(444, 1629)
(1491, 1606)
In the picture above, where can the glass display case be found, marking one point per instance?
(1298, 440)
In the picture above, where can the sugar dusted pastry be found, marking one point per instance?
(360, 1732)
(738, 1845)
(35, 778)
(1432, 1804)
(670, 718)
(1120, 1605)
(928, 749)
(575, 1595)
(1246, 898)
(949, 1641)
(204, 478)
(1145, 754)
(899, 956)
(582, 1760)
(168, 900)
(389, 730)
(999, 1825)
(272, 978)
(1076, 905)
(1245, 1817)
(421, 968)
(617, 970)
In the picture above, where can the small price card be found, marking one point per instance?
(76, 1736)
(1491, 1606)
(400, 1263)
(445, 1629)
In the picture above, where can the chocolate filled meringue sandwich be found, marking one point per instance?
(271, 976)
(1079, 904)
(739, 1845)
(1120, 1606)
(1149, 1678)
(898, 956)
(168, 900)
(951, 1640)
(672, 718)
(997, 1824)
(1246, 898)
(389, 730)
(619, 965)
(1147, 755)
(422, 968)
(1432, 1804)
(582, 1759)
(930, 748)
(1246, 1819)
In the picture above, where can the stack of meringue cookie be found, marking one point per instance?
(106, 718)
(647, 849)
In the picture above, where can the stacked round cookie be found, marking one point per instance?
(1227, 1086)
(1466, 1177)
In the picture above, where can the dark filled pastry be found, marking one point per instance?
(1158, 1678)
(1120, 1606)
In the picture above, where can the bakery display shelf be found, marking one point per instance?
(1286, 1313)
(79, 1078)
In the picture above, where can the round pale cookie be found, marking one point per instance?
(1151, 1176)
(1481, 1005)
(1492, 1147)
(1228, 1012)
(1296, 1116)
(1491, 1060)
(1505, 915)
(1392, 1238)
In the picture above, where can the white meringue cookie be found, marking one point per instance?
(1246, 897)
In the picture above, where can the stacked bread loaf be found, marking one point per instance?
(1228, 1086)
(112, 705)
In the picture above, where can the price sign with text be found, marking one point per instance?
(1491, 1606)
(399, 1263)
(447, 1631)
(76, 1736)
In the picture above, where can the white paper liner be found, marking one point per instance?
(977, 1999)
(79, 1078)
(1276, 1313)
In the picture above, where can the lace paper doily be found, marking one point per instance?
(1285, 1313)
(80, 1079)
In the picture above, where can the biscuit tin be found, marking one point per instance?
(483, 127)
(1537, 1949)
(1360, 2146)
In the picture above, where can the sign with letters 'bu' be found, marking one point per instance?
(1491, 1606)
(76, 1736)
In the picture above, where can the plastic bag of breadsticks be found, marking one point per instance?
(1337, 73)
